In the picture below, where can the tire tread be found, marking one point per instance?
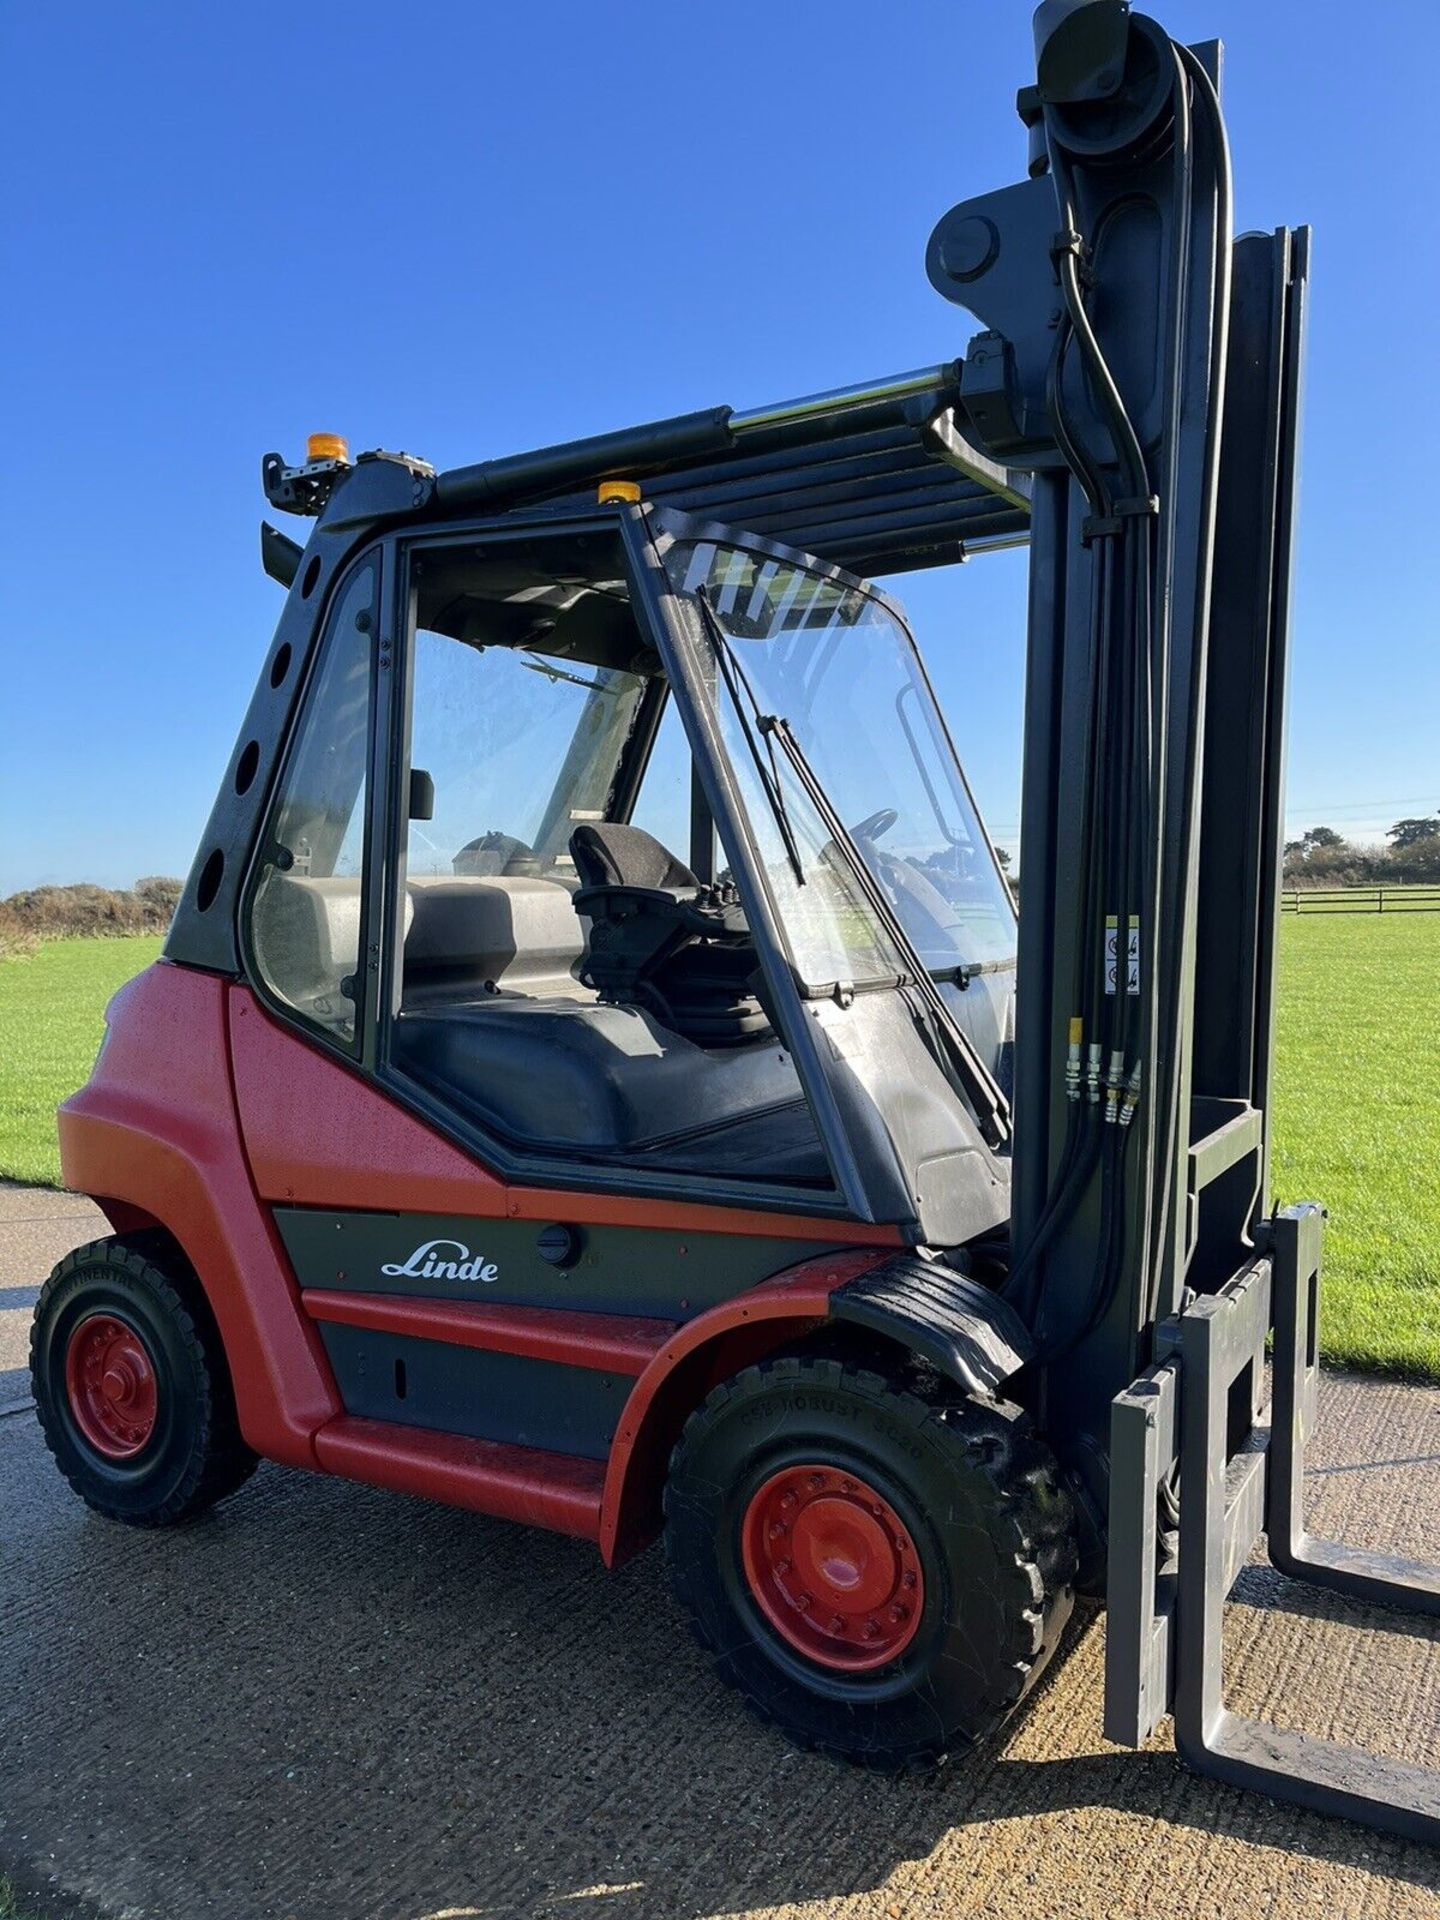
(220, 1462)
(1028, 1500)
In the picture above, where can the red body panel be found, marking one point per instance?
(606, 1343)
(705, 1351)
(318, 1135)
(203, 1111)
(155, 1135)
(553, 1490)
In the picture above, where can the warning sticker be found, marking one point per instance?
(1132, 955)
(1112, 952)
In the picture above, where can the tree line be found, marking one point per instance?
(57, 913)
(1321, 857)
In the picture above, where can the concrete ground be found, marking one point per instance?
(330, 1703)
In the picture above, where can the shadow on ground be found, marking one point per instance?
(326, 1702)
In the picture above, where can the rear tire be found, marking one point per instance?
(131, 1386)
(810, 1501)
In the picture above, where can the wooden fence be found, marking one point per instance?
(1360, 900)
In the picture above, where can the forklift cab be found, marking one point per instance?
(577, 1086)
(673, 865)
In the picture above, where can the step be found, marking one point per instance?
(605, 1343)
(556, 1490)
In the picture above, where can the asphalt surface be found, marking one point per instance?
(330, 1703)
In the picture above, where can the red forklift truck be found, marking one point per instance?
(593, 1077)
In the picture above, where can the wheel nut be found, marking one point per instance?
(817, 1480)
(899, 1613)
(872, 1629)
(777, 1529)
(837, 1624)
(847, 1486)
(805, 1602)
(909, 1580)
(787, 1500)
(782, 1567)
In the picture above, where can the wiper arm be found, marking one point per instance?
(991, 1107)
(735, 678)
(554, 674)
(964, 971)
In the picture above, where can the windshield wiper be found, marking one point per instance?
(735, 677)
(964, 971)
(992, 1110)
(554, 674)
(991, 1107)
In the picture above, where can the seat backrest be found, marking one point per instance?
(507, 931)
(610, 855)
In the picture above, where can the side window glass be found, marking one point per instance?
(516, 747)
(305, 910)
(519, 746)
(662, 806)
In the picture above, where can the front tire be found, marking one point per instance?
(883, 1576)
(131, 1387)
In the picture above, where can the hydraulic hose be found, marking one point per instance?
(1191, 69)
(1103, 830)
(1144, 707)
(1092, 480)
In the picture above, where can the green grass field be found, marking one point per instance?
(9, 1900)
(1357, 1119)
(52, 1017)
(1357, 1124)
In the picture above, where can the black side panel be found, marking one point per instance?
(203, 933)
(487, 1396)
(967, 1332)
(648, 1272)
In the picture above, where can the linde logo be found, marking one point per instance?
(433, 1262)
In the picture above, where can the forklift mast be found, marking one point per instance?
(1145, 370)
(1145, 373)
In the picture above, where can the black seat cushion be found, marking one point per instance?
(614, 1083)
(609, 855)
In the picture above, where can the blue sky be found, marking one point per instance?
(468, 229)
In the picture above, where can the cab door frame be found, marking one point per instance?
(390, 773)
(894, 1156)
(656, 604)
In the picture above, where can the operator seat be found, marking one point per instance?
(661, 940)
(611, 855)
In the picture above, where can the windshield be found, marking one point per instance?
(837, 665)
(840, 668)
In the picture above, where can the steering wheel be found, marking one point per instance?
(875, 825)
(928, 916)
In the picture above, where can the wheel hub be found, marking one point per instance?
(832, 1567)
(110, 1384)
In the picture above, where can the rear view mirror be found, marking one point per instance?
(422, 795)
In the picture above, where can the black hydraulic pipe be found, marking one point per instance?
(640, 451)
(633, 450)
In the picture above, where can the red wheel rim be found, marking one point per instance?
(833, 1568)
(110, 1382)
